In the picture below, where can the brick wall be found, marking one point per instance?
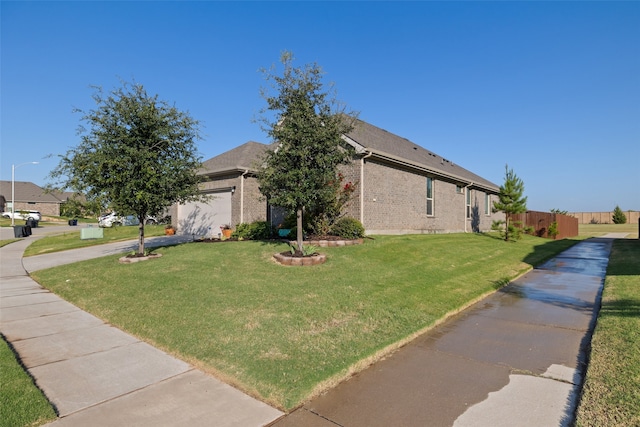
(51, 209)
(395, 202)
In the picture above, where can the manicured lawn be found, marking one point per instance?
(285, 333)
(71, 240)
(611, 395)
(21, 402)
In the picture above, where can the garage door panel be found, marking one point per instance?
(205, 218)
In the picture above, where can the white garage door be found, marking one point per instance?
(205, 219)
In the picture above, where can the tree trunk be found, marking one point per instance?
(141, 237)
(506, 227)
(299, 226)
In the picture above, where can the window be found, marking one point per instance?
(468, 203)
(429, 196)
(487, 204)
(459, 189)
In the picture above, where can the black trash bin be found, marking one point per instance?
(32, 223)
(20, 231)
(73, 222)
(27, 230)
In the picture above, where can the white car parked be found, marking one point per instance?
(23, 215)
(113, 219)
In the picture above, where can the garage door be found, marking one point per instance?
(205, 219)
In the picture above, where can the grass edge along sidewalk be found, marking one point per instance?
(286, 334)
(21, 402)
(611, 392)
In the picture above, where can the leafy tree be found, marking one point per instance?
(558, 211)
(306, 123)
(618, 216)
(510, 201)
(138, 153)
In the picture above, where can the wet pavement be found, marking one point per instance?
(516, 358)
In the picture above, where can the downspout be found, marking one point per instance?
(466, 189)
(362, 186)
(242, 195)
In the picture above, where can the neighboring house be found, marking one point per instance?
(29, 196)
(401, 188)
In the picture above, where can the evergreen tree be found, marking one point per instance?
(618, 216)
(138, 154)
(510, 201)
(306, 126)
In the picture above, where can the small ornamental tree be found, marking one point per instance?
(510, 201)
(618, 216)
(137, 153)
(306, 124)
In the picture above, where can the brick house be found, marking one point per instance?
(401, 188)
(28, 196)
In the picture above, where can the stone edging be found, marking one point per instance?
(330, 243)
(300, 261)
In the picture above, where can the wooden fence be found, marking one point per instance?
(540, 221)
(604, 217)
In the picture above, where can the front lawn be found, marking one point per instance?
(285, 333)
(611, 394)
(71, 239)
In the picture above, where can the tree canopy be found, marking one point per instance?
(511, 200)
(306, 125)
(137, 154)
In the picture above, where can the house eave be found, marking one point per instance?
(424, 169)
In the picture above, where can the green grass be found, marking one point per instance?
(21, 402)
(71, 240)
(285, 333)
(6, 242)
(611, 394)
(594, 230)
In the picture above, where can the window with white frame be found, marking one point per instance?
(468, 203)
(429, 196)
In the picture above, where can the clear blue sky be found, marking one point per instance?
(551, 88)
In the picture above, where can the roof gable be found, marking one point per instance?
(26, 192)
(241, 158)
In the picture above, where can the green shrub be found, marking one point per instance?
(259, 230)
(348, 228)
(618, 216)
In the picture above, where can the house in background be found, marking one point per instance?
(402, 188)
(29, 196)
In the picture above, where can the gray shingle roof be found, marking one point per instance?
(384, 144)
(26, 192)
(366, 138)
(240, 158)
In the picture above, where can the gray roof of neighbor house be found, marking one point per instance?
(383, 144)
(241, 158)
(26, 192)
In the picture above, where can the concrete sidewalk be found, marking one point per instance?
(97, 375)
(516, 358)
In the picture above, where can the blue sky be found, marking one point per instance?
(551, 88)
